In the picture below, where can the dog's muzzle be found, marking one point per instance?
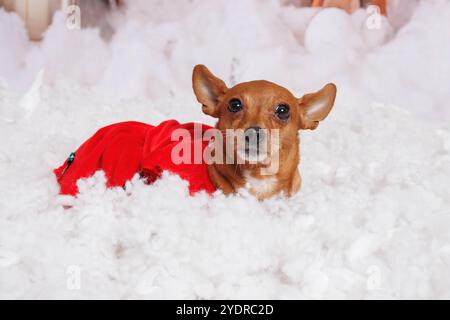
(255, 143)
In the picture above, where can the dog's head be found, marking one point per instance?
(265, 113)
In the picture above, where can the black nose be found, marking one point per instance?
(254, 134)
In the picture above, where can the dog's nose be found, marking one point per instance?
(255, 134)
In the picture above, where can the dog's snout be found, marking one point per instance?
(255, 134)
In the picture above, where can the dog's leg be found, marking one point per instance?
(219, 180)
(296, 184)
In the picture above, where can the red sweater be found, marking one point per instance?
(123, 149)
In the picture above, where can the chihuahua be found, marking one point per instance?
(264, 117)
(257, 108)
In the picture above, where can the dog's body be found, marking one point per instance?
(123, 149)
(267, 114)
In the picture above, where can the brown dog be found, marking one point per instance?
(259, 108)
(263, 117)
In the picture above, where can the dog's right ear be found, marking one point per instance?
(315, 107)
(208, 89)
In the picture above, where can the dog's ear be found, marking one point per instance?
(208, 89)
(315, 107)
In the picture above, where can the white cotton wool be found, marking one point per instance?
(77, 55)
(371, 220)
(14, 46)
(333, 31)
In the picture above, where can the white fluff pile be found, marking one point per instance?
(372, 219)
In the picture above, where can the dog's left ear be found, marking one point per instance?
(315, 107)
(208, 89)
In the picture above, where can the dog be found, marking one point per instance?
(257, 113)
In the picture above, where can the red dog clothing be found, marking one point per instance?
(123, 149)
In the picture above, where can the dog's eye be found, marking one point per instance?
(235, 105)
(282, 112)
